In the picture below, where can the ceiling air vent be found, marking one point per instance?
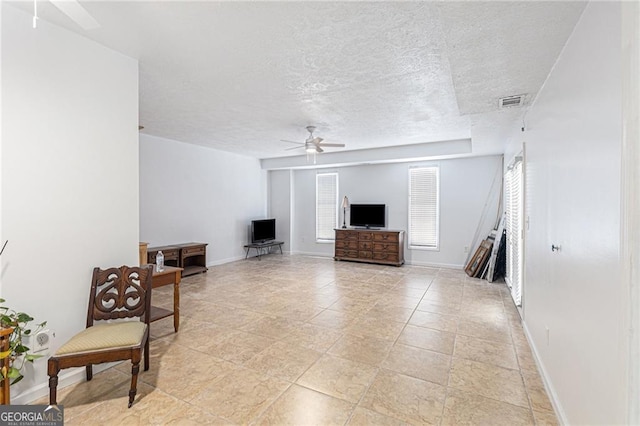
(512, 101)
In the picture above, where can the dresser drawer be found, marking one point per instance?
(347, 235)
(363, 254)
(169, 254)
(386, 236)
(365, 245)
(193, 251)
(386, 247)
(346, 244)
(366, 236)
(387, 257)
(347, 253)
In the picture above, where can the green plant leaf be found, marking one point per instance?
(31, 357)
(20, 349)
(18, 353)
(6, 319)
(13, 373)
(22, 317)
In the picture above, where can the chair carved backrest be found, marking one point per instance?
(123, 292)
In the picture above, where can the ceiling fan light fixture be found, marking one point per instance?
(312, 145)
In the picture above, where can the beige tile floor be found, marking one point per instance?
(302, 340)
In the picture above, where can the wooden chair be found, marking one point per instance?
(116, 293)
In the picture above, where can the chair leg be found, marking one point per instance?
(146, 355)
(53, 370)
(135, 367)
(53, 390)
(89, 369)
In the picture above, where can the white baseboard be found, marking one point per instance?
(223, 261)
(65, 378)
(553, 396)
(434, 265)
(330, 256)
(313, 254)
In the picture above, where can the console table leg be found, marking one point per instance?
(176, 303)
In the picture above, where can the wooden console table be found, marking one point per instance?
(191, 257)
(170, 275)
(171, 255)
(262, 246)
(371, 246)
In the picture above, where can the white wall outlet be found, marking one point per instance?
(466, 249)
(41, 341)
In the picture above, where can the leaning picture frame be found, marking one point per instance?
(479, 258)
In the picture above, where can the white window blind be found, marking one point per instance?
(326, 206)
(514, 213)
(424, 209)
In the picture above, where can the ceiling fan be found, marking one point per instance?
(313, 145)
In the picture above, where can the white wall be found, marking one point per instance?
(192, 193)
(69, 174)
(280, 202)
(465, 187)
(573, 148)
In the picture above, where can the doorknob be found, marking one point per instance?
(555, 247)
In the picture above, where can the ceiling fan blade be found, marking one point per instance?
(77, 13)
(299, 143)
(318, 149)
(295, 147)
(316, 141)
(341, 145)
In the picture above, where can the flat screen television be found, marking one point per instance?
(263, 230)
(368, 215)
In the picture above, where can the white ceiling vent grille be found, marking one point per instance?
(512, 101)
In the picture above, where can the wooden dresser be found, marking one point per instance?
(372, 246)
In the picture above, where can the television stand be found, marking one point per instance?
(263, 246)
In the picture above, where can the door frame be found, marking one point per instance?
(630, 200)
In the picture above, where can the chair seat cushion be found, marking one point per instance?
(114, 335)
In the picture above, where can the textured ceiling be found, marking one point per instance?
(240, 76)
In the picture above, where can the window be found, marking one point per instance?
(513, 225)
(424, 207)
(326, 206)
